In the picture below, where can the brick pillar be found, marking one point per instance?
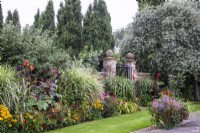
(130, 64)
(109, 64)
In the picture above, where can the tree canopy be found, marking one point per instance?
(167, 38)
(70, 25)
(48, 16)
(97, 30)
(1, 17)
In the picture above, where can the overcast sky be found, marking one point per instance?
(121, 11)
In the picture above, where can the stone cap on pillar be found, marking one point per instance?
(130, 57)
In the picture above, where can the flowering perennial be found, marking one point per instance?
(168, 112)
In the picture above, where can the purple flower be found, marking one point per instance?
(166, 99)
(105, 96)
(155, 104)
(19, 68)
(161, 106)
(176, 104)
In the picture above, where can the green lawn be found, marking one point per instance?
(118, 124)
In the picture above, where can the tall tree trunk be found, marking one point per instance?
(195, 89)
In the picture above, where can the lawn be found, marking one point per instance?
(118, 124)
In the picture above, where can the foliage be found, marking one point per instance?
(70, 25)
(97, 31)
(168, 112)
(89, 57)
(146, 3)
(166, 41)
(92, 111)
(10, 44)
(7, 121)
(9, 86)
(47, 18)
(127, 107)
(120, 87)
(38, 47)
(176, 83)
(9, 17)
(79, 84)
(166, 38)
(123, 37)
(13, 18)
(144, 88)
(1, 17)
(110, 105)
(41, 99)
(37, 20)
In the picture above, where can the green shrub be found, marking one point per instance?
(127, 107)
(144, 87)
(39, 48)
(120, 87)
(167, 112)
(10, 44)
(9, 86)
(80, 84)
(111, 104)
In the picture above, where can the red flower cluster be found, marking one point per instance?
(26, 63)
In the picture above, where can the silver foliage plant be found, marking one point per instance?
(168, 37)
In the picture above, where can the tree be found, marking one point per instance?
(145, 3)
(97, 30)
(47, 17)
(1, 17)
(39, 48)
(167, 39)
(70, 25)
(10, 44)
(15, 19)
(9, 17)
(60, 19)
(122, 37)
(37, 23)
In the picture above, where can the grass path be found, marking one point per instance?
(118, 124)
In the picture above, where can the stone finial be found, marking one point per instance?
(130, 56)
(109, 53)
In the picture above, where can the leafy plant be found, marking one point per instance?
(10, 87)
(120, 87)
(79, 84)
(127, 107)
(110, 106)
(176, 83)
(144, 87)
(167, 112)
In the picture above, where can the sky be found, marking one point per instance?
(121, 11)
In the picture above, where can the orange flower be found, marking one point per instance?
(32, 67)
(52, 110)
(26, 63)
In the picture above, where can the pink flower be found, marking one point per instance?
(155, 104)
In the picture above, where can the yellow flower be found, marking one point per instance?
(14, 120)
(10, 125)
(1, 119)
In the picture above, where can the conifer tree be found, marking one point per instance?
(97, 30)
(70, 25)
(36, 23)
(60, 20)
(15, 19)
(1, 17)
(47, 17)
(9, 17)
